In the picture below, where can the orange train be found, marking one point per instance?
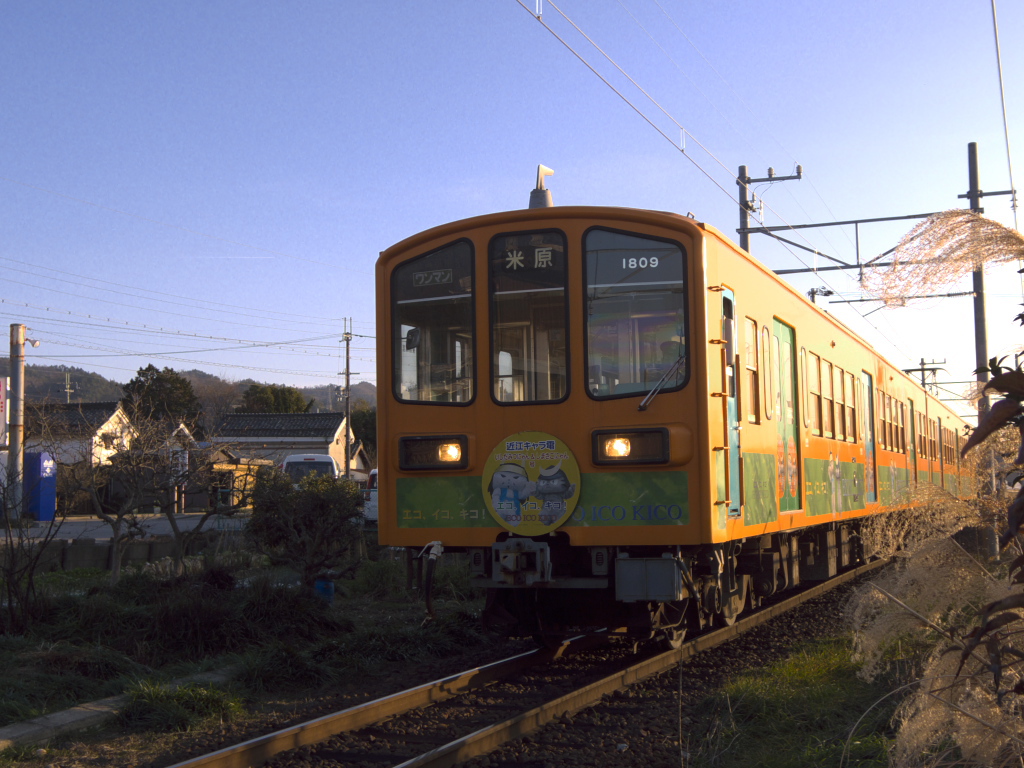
(625, 420)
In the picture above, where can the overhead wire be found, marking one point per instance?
(650, 122)
(190, 231)
(136, 290)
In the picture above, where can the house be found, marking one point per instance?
(75, 432)
(277, 435)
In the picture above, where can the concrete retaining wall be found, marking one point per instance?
(61, 554)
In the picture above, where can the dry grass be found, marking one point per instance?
(911, 626)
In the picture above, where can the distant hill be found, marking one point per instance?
(47, 383)
(328, 396)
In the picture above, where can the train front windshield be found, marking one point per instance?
(635, 298)
(636, 314)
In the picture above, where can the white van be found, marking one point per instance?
(370, 497)
(298, 465)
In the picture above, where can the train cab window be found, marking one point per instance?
(528, 284)
(635, 314)
(432, 339)
(752, 399)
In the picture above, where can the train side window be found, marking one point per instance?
(753, 388)
(635, 314)
(840, 401)
(528, 277)
(826, 399)
(432, 341)
(814, 391)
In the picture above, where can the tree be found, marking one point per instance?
(216, 397)
(364, 427)
(272, 398)
(162, 395)
(311, 528)
(23, 552)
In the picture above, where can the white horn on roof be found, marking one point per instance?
(541, 197)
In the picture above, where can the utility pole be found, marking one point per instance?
(924, 368)
(68, 388)
(974, 195)
(16, 451)
(347, 338)
(748, 200)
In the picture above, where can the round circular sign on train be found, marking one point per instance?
(531, 483)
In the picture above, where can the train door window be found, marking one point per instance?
(840, 402)
(635, 314)
(942, 451)
(912, 442)
(804, 399)
(814, 392)
(432, 319)
(883, 421)
(851, 408)
(771, 380)
(903, 427)
(827, 411)
(528, 289)
(778, 364)
(753, 384)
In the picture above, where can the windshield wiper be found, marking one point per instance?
(661, 383)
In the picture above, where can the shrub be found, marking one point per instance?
(312, 528)
(152, 707)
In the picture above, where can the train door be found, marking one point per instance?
(912, 445)
(784, 371)
(941, 455)
(868, 430)
(731, 405)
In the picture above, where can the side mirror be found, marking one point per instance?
(412, 338)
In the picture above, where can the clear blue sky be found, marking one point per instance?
(181, 181)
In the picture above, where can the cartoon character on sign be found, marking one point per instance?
(553, 488)
(509, 488)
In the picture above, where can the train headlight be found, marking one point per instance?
(449, 453)
(616, 447)
(434, 452)
(634, 446)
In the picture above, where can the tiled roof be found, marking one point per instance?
(275, 425)
(70, 418)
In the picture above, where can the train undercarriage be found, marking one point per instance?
(544, 588)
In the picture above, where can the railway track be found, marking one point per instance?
(457, 718)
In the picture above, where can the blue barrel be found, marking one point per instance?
(324, 589)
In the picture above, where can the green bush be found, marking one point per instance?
(152, 707)
(312, 528)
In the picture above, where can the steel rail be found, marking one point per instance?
(257, 750)
(488, 739)
(260, 749)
